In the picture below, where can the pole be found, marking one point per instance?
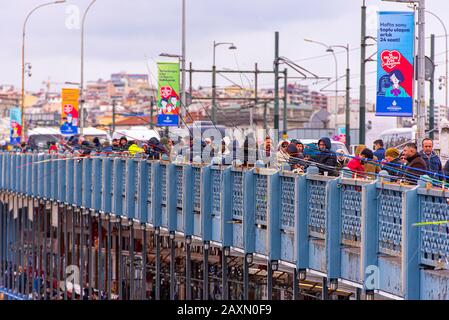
(362, 120)
(336, 89)
(284, 133)
(276, 81)
(81, 107)
(183, 62)
(214, 90)
(421, 73)
(432, 90)
(114, 103)
(348, 107)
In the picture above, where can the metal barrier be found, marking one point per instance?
(357, 231)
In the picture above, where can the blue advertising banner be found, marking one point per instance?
(395, 59)
(15, 116)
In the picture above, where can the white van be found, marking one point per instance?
(136, 133)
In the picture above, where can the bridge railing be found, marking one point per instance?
(339, 227)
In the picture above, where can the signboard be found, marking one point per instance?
(69, 114)
(168, 94)
(395, 46)
(16, 125)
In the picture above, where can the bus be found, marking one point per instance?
(398, 138)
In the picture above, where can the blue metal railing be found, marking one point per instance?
(338, 226)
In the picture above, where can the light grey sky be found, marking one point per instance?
(120, 33)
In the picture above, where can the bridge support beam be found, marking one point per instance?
(269, 280)
(172, 265)
(324, 290)
(295, 284)
(158, 263)
(206, 271)
(224, 271)
(248, 259)
(188, 283)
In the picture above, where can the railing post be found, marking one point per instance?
(333, 231)
(410, 244)
(369, 233)
(301, 225)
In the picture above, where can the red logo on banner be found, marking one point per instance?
(68, 108)
(166, 92)
(390, 59)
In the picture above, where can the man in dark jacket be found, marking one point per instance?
(326, 158)
(416, 166)
(432, 160)
(379, 151)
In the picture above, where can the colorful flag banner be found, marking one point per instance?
(168, 94)
(70, 102)
(16, 125)
(395, 57)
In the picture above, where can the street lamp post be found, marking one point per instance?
(447, 62)
(347, 108)
(214, 76)
(81, 107)
(22, 109)
(421, 67)
(183, 62)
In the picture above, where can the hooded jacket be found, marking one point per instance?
(327, 158)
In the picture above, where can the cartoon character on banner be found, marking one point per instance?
(169, 102)
(70, 120)
(15, 130)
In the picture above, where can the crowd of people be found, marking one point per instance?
(407, 166)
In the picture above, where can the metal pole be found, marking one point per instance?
(206, 271)
(90, 256)
(284, 133)
(120, 259)
(44, 249)
(100, 258)
(158, 264)
(295, 284)
(172, 266)
(324, 291)
(58, 258)
(214, 91)
(362, 119)
(348, 101)
(114, 104)
(276, 82)
(81, 106)
(432, 89)
(131, 255)
(74, 261)
(191, 83)
(183, 62)
(224, 272)
(269, 280)
(188, 273)
(245, 277)
(265, 121)
(421, 73)
(336, 89)
(66, 250)
(446, 61)
(51, 274)
(2, 245)
(81, 250)
(109, 258)
(144, 262)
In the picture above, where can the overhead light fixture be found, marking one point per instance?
(189, 240)
(227, 251)
(206, 245)
(157, 231)
(334, 284)
(274, 265)
(249, 258)
(302, 274)
(172, 235)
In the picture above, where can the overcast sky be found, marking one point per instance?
(119, 34)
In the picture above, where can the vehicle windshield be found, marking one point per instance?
(42, 141)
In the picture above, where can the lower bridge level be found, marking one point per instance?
(53, 251)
